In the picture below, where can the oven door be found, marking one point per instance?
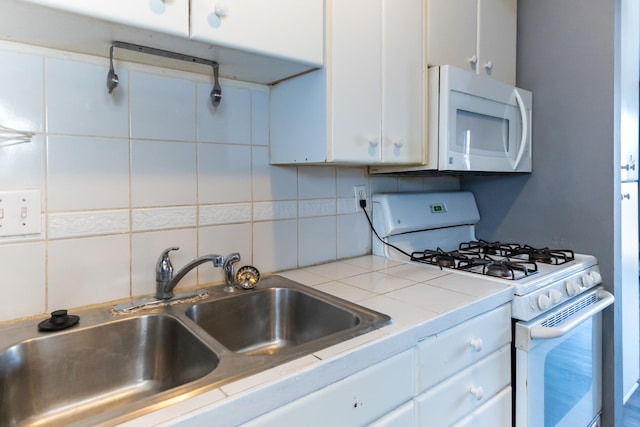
(558, 366)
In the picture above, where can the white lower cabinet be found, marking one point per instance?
(357, 400)
(403, 416)
(496, 412)
(470, 389)
(464, 373)
(460, 377)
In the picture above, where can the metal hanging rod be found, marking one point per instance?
(112, 77)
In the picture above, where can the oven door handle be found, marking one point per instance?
(541, 332)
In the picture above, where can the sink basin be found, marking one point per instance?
(61, 378)
(111, 368)
(282, 317)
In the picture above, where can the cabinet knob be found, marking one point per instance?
(374, 142)
(477, 392)
(473, 60)
(398, 142)
(221, 10)
(476, 344)
(488, 66)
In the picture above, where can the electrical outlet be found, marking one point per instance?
(360, 193)
(20, 213)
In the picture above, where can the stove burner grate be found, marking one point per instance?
(449, 259)
(504, 268)
(544, 255)
(489, 248)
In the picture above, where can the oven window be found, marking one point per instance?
(568, 371)
(479, 132)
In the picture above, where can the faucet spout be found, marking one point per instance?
(164, 288)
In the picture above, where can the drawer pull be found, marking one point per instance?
(476, 344)
(476, 392)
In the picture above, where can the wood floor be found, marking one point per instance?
(632, 410)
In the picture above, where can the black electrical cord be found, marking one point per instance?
(363, 205)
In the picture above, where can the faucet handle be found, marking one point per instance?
(164, 268)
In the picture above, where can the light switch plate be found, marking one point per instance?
(21, 213)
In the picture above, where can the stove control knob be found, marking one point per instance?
(572, 288)
(544, 302)
(555, 295)
(597, 278)
(587, 280)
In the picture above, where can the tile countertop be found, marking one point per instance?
(422, 300)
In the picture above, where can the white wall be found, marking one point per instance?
(124, 176)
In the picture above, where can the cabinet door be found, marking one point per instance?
(355, 400)
(354, 61)
(165, 16)
(466, 391)
(497, 35)
(403, 82)
(630, 295)
(496, 412)
(290, 29)
(452, 28)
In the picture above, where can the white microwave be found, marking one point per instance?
(477, 123)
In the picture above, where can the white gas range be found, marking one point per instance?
(557, 302)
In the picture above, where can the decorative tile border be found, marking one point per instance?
(268, 211)
(348, 206)
(92, 223)
(224, 214)
(163, 218)
(318, 207)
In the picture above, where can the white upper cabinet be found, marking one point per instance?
(474, 35)
(290, 29)
(252, 40)
(367, 105)
(166, 16)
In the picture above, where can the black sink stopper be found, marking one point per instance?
(58, 321)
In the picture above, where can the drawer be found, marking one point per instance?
(496, 412)
(402, 416)
(446, 353)
(466, 391)
(354, 401)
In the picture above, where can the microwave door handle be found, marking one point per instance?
(542, 332)
(525, 128)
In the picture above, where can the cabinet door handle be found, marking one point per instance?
(221, 10)
(488, 66)
(374, 142)
(473, 60)
(476, 344)
(477, 392)
(398, 142)
(625, 196)
(628, 166)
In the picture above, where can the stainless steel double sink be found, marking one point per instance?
(111, 368)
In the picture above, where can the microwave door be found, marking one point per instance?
(484, 134)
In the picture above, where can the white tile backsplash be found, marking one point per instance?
(23, 280)
(87, 173)
(162, 173)
(22, 91)
(226, 123)
(78, 102)
(162, 107)
(224, 173)
(87, 271)
(153, 165)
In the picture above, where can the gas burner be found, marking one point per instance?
(442, 258)
(504, 268)
(489, 248)
(544, 255)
